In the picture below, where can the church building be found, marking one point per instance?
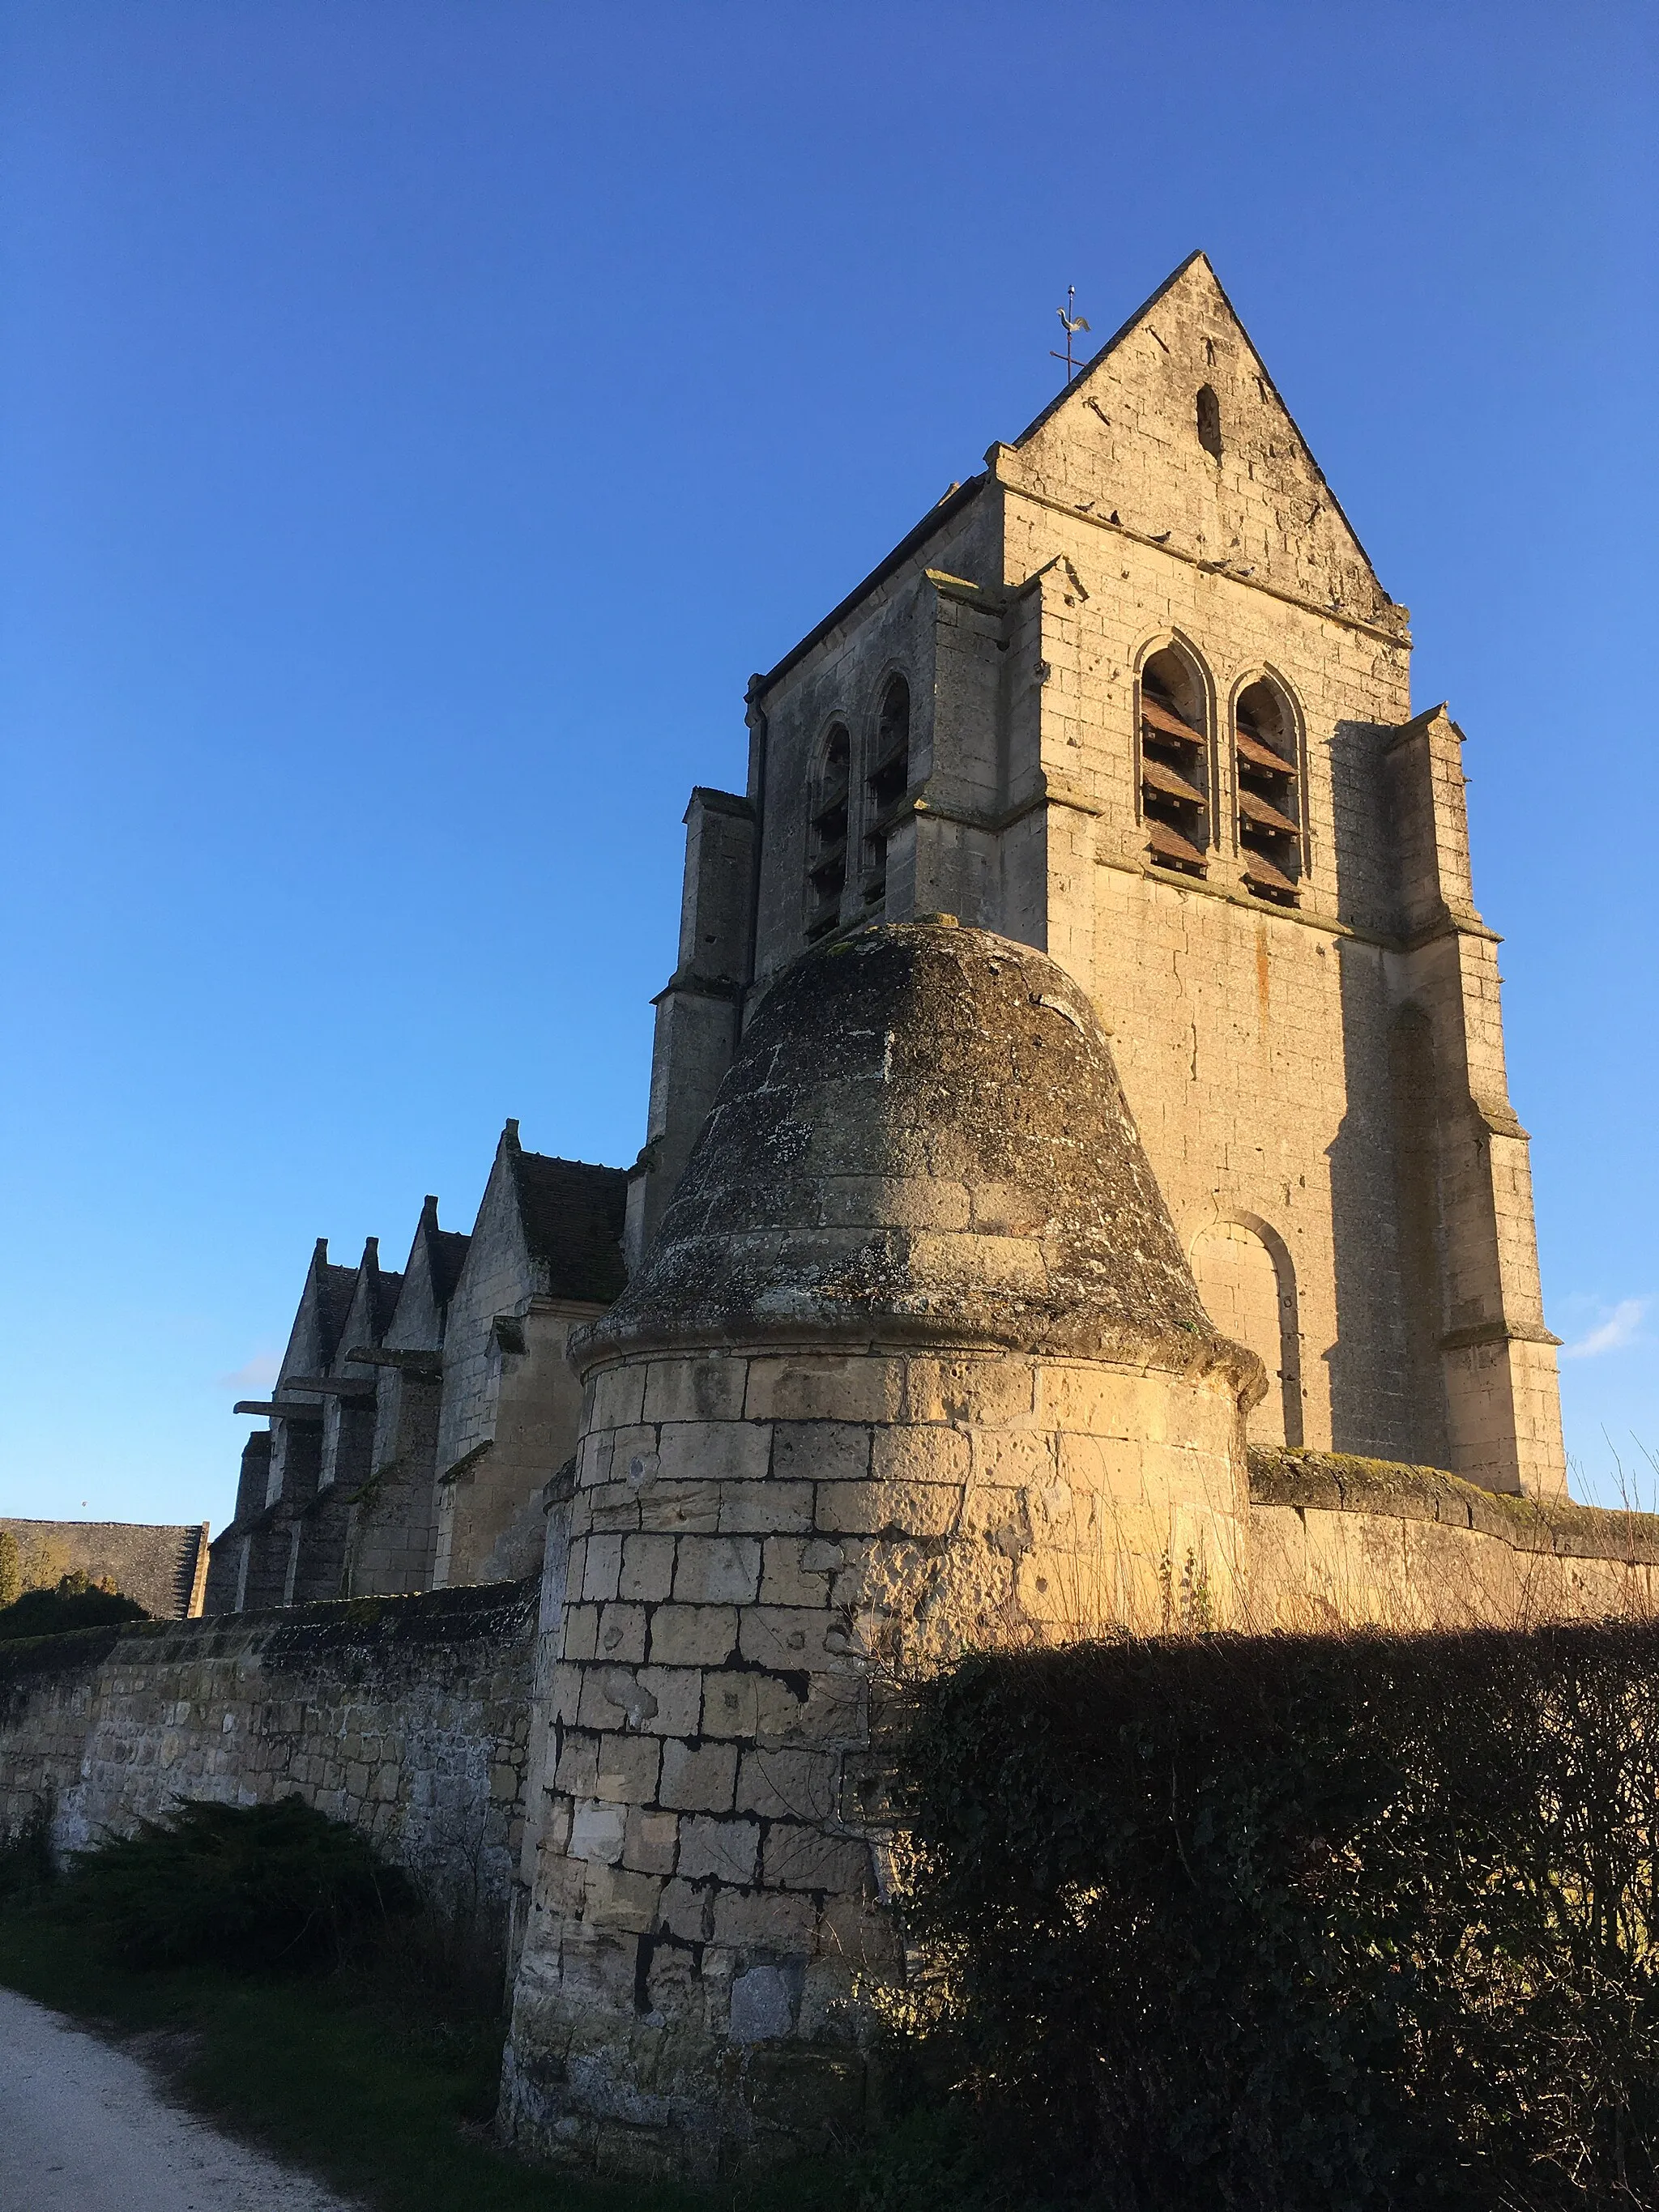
(1133, 698)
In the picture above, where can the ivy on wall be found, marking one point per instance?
(1346, 1923)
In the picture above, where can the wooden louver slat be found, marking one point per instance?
(1164, 724)
(1165, 780)
(1263, 817)
(1170, 845)
(1258, 869)
(1260, 755)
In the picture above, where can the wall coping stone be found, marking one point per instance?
(1339, 1482)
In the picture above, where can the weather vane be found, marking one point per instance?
(1071, 325)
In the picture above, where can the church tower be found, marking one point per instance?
(1134, 696)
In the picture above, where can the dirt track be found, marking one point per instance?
(85, 2128)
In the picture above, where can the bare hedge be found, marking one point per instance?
(1346, 1923)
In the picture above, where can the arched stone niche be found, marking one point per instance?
(1245, 1280)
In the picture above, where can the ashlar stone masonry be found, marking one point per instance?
(1080, 1192)
(916, 1362)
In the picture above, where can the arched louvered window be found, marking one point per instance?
(1269, 793)
(826, 832)
(886, 780)
(1175, 763)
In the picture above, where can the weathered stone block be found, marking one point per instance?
(698, 1779)
(685, 1912)
(904, 1457)
(725, 1848)
(617, 1899)
(715, 1451)
(805, 1857)
(677, 1507)
(786, 1638)
(693, 1635)
(831, 1711)
(596, 1832)
(786, 1581)
(717, 1570)
(709, 1389)
(820, 1451)
(578, 1766)
(625, 1769)
(648, 1568)
(730, 1702)
(784, 1783)
(767, 1508)
(618, 1397)
(650, 1840)
(669, 1699)
(872, 1508)
(622, 1634)
(825, 1389)
(763, 1922)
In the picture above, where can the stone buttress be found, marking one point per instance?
(914, 1364)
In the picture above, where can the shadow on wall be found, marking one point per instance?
(1375, 1397)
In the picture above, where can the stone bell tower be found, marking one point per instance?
(916, 1363)
(1135, 696)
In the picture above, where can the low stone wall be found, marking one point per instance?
(1342, 1542)
(408, 1717)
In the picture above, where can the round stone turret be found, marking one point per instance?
(923, 1141)
(914, 1365)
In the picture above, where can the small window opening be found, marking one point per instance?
(1269, 795)
(1209, 421)
(887, 781)
(1174, 765)
(826, 833)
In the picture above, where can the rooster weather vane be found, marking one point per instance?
(1071, 325)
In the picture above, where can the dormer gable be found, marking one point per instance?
(320, 1321)
(374, 1301)
(426, 1285)
(1176, 432)
(548, 1228)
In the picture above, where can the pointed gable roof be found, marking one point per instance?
(426, 1285)
(325, 1303)
(571, 1216)
(373, 1302)
(445, 1251)
(1122, 442)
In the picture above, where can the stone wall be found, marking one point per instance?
(408, 1717)
(163, 1568)
(1338, 1541)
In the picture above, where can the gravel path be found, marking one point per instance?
(83, 2127)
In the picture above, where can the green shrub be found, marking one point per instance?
(251, 1887)
(75, 1603)
(26, 1866)
(1347, 1924)
(11, 1570)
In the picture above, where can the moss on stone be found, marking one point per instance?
(1343, 1482)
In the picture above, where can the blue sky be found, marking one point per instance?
(416, 423)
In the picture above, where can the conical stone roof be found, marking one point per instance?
(922, 1140)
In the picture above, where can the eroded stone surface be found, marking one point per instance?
(914, 1365)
